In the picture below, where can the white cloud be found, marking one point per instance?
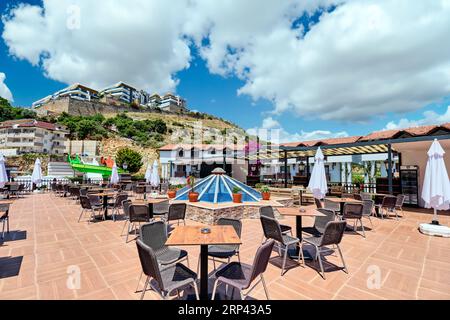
(140, 42)
(272, 130)
(429, 118)
(364, 59)
(4, 90)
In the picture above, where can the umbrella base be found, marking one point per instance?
(435, 223)
(435, 230)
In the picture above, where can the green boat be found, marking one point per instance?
(77, 165)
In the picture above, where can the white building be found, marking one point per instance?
(33, 136)
(75, 91)
(123, 92)
(168, 102)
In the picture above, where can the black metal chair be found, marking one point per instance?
(269, 213)
(320, 223)
(272, 230)
(318, 203)
(354, 211)
(332, 206)
(227, 252)
(399, 204)
(173, 278)
(154, 235)
(161, 210)
(117, 204)
(357, 197)
(368, 210)
(387, 206)
(241, 276)
(86, 205)
(4, 218)
(138, 214)
(332, 236)
(177, 212)
(126, 213)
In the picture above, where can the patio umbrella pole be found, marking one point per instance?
(435, 218)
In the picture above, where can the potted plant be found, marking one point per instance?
(193, 196)
(172, 193)
(265, 193)
(237, 195)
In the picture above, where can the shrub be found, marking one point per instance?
(132, 158)
(236, 190)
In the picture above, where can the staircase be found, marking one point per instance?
(60, 170)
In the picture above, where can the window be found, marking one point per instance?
(181, 154)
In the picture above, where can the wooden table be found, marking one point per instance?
(299, 214)
(343, 201)
(105, 196)
(192, 236)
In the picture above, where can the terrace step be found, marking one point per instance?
(60, 169)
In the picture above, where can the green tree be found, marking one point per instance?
(8, 112)
(132, 158)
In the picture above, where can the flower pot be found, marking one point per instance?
(237, 198)
(265, 196)
(172, 194)
(193, 197)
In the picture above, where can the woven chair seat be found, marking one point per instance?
(176, 277)
(235, 274)
(166, 255)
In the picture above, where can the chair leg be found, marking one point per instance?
(371, 223)
(284, 260)
(301, 255)
(216, 283)
(3, 230)
(265, 287)
(362, 226)
(81, 215)
(126, 223)
(196, 291)
(129, 230)
(342, 258)
(319, 257)
(139, 282)
(145, 288)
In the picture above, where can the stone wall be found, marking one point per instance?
(76, 107)
(210, 216)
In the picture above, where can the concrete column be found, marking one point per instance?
(349, 172)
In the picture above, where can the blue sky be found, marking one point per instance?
(210, 92)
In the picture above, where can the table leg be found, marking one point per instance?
(293, 253)
(105, 206)
(150, 211)
(204, 272)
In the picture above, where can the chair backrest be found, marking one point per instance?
(154, 235)
(236, 224)
(353, 210)
(400, 201)
(83, 192)
(121, 197)
(266, 212)
(321, 222)
(366, 196)
(149, 262)
(162, 207)
(60, 187)
(389, 202)
(126, 207)
(177, 211)
(140, 189)
(139, 213)
(14, 187)
(357, 196)
(261, 261)
(128, 187)
(164, 188)
(272, 229)
(85, 203)
(53, 186)
(318, 203)
(331, 205)
(333, 234)
(368, 207)
(4, 209)
(94, 200)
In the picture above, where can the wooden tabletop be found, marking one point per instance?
(192, 236)
(104, 194)
(298, 212)
(150, 201)
(343, 200)
(6, 202)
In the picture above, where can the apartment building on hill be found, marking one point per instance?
(33, 136)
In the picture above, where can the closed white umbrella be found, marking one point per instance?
(148, 174)
(3, 175)
(318, 182)
(115, 179)
(36, 177)
(436, 187)
(155, 180)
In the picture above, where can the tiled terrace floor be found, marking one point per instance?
(47, 240)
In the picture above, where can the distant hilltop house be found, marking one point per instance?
(78, 99)
(32, 136)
